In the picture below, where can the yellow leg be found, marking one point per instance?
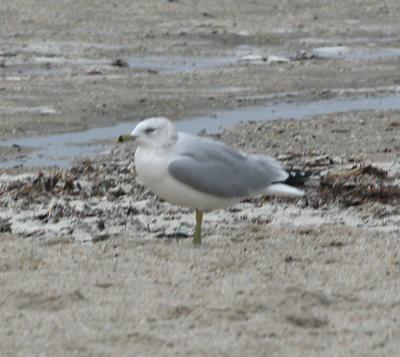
(197, 230)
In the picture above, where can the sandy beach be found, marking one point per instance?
(91, 263)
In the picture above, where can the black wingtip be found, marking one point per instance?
(297, 177)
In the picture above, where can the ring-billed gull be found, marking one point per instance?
(201, 173)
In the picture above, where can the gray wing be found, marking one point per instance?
(216, 169)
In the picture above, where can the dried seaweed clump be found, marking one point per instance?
(359, 185)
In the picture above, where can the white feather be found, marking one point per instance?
(280, 189)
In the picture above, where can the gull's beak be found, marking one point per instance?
(125, 138)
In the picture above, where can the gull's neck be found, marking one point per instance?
(170, 141)
(171, 137)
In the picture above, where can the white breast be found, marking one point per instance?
(151, 166)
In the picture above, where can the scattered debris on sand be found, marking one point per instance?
(95, 199)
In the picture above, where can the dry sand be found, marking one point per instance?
(97, 274)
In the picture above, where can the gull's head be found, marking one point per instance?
(154, 133)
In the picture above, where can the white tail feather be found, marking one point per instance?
(280, 189)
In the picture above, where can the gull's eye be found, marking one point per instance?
(148, 131)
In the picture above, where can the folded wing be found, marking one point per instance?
(214, 168)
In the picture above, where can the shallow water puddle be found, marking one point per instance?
(178, 63)
(246, 54)
(60, 149)
(50, 64)
(253, 55)
(349, 53)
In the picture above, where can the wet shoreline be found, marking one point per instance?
(61, 150)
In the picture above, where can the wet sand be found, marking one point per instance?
(57, 70)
